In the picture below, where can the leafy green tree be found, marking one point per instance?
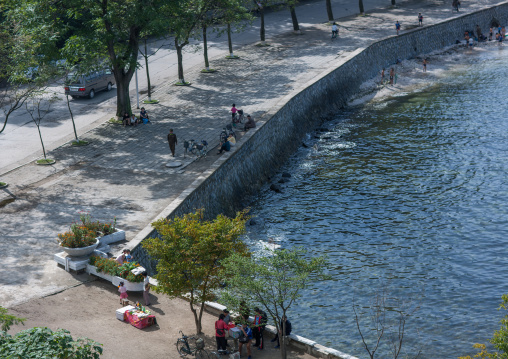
(38, 343)
(6, 320)
(274, 281)
(499, 339)
(190, 251)
(94, 34)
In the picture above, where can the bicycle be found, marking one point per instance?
(226, 132)
(199, 150)
(184, 348)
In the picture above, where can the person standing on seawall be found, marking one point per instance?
(420, 19)
(424, 65)
(397, 27)
(172, 140)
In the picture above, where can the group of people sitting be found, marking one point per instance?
(132, 120)
(248, 330)
(230, 141)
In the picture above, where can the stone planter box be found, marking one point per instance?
(93, 270)
(132, 287)
(79, 252)
(118, 236)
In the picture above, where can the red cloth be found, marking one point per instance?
(138, 323)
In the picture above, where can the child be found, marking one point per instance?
(123, 292)
(397, 27)
(420, 19)
(335, 30)
(233, 113)
(424, 65)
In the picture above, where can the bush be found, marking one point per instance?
(44, 343)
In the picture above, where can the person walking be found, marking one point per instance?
(392, 75)
(397, 27)
(172, 140)
(335, 31)
(420, 19)
(424, 65)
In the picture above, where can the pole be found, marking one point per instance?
(137, 92)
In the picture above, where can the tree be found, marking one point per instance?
(329, 10)
(499, 339)
(146, 56)
(274, 281)
(190, 251)
(294, 19)
(6, 320)
(260, 6)
(233, 12)
(94, 33)
(187, 15)
(37, 343)
(38, 106)
(362, 10)
(387, 316)
(393, 2)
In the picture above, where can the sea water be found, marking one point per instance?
(408, 198)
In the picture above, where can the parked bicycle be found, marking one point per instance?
(238, 117)
(198, 349)
(198, 149)
(226, 132)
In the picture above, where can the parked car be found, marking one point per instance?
(88, 85)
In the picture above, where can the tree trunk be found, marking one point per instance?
(123, 100)
(180, 61)
(230, 43)
(205, 49)
(145, 55)
(42, 142)
(329, 10)
(393, 2)
(361, 7)
(262, 28)
(294, 19)
(194, 311)
(282, 339)
(72, 118)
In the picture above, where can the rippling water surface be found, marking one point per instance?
(412, 192)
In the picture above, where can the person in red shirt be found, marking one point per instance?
(220, 333)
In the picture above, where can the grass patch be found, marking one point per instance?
(182, 83)
(150, 102)
(3, 184)
(209, 71)
(79, 143)
(115, 121)
(260, 44)
(234, 57)
(45, 161)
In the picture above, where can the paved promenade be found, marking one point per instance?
(122, 172)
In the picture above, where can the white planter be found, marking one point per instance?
(93, 270)
(118, 236)
(131, 287)
(79, 252)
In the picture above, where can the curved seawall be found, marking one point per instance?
(240, 173)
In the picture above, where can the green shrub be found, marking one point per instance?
(36, 343)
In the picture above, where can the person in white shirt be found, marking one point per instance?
(335, 30)
(146, 291)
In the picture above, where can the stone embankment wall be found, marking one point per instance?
(257, 156)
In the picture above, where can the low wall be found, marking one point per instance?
(257, 156)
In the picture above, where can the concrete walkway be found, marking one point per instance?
(122, 172)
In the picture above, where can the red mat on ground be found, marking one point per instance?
(137, 322)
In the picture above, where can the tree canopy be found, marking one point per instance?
(190, 251)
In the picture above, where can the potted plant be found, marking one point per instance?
(111, 270)
(79, 241)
